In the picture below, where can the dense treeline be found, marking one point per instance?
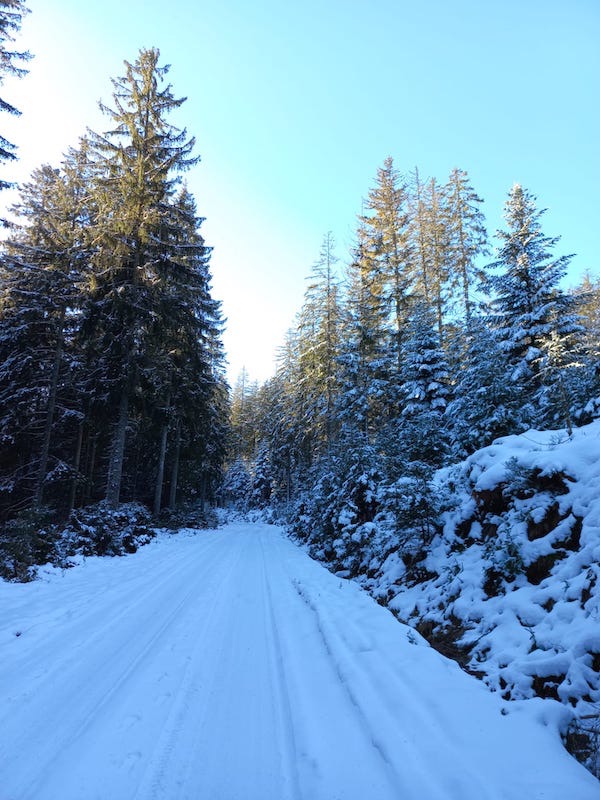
(111, 367)
(421, 355)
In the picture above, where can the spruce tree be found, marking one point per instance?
(137, 163)
(365, 368)
(468, 237)
(243, 423)
(319, 346)
(42, 277)
(529, 309)
(11, 18)
(424, 390)
(485, 403)
(385, 237)
(430, 246)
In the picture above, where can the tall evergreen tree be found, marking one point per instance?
(365, 352)
(42, 281)
(137, 164)
(468, 237)
(486, 404)
(11, 61)
(385, 236)
(529, 308)
(319, 347)
(243, 422)
(424, 389)
(430, 239)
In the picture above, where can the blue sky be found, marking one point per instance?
(295, 105)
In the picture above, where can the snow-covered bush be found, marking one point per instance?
(525, 544)
(99, 530)
(32, 538)
(495, 560)
(188, 515)
(26, 540)
(237, 486)
(355, 518)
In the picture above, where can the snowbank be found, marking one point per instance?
(513, 577)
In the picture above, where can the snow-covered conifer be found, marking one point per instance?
(528, 306)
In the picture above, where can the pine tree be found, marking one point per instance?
(385, 237)
(42, 278)
(584, 382)
(468, 237)
(136, 167)
(11, 18)
(319, 347)
(586, 297)
(365, 368)
(529, 308)
(425, 390)
(262, 487)
(183, 369)
(243, 423)
(485, 405)
(430, 239)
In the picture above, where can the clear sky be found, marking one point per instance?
(296, 103)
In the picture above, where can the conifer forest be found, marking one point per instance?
(428, 342)
(429, 432)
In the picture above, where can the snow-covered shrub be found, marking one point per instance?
(314, 516)
(582, 740)
(524, 539)
(262, 484)
(99, 530)
(336, 517)
(410, 507)
(188, 515)
(34, 537)
(28, 539)
(237, 486)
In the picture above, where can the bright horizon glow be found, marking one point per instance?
(295, 105)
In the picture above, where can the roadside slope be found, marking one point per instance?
(228, 665)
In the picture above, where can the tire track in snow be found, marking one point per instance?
(364, 680)
(333, 740)
(152, 784)
(93, 623)
(282, 690)
(77, 703)
(396, 781)
(376, 691)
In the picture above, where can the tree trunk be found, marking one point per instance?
(91, 467)
(175, 467)
(76, 465)
(115, 467)
(161, 460)
(45, 451)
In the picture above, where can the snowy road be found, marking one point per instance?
(228, 666)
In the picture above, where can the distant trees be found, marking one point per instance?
(113, 379)
(418, 355)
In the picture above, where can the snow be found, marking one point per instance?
(227, 665)
(547, 628)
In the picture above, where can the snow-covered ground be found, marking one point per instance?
(517, 566)
(227, 665)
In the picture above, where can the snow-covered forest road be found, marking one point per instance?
(226, 665)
